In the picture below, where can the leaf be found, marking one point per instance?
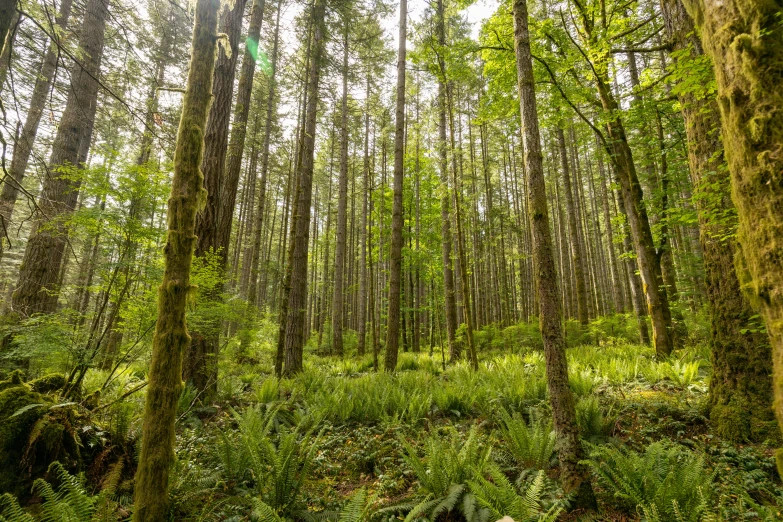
(25, 409)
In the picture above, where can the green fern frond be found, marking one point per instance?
(11, 511)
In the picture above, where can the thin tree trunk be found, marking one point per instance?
(574, 476)
(395, 253)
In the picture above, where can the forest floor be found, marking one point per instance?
(340, 440)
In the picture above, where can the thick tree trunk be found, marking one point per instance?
(171, 335)
(395, 253)
(342, 212)
(574, 476)
(37, 290)
(201, 358)
(300, 232)
(741, 385)
(24, 144)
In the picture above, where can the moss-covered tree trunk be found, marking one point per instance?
(741, 383)
(171, 334)
(38, 287)
(575, 477)
(744, 38)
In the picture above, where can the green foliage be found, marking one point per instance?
(530, 446)
(443, 473)
(497, 494)
(665, 481)
(68, 502)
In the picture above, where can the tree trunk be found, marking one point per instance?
(171, 335)
(363, 243)
(24, 144)
(741, 385)
(573, 234)
(449, 301)
(574, 476)
(300, 230)
(252, 292)
(395, 253)
(236, 144)
(38, 288)
(201, 358)
(342, 212)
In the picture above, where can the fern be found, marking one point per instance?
(501, 498)
(443, 474)
(359, 507)
(11, 511)
(666, 482)
(530, 446)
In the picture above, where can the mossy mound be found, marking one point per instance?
(14, 379)
(48, 383)
(34, 432)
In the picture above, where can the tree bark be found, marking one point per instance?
(171, 335)
(342, 211)
(449, 301)
(573, 234)
(741, 385)
(37, 290)
(574, 476)
(300, 230)
(200, 361)
(395, 253)
(24, 144)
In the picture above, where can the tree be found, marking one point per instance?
(24, 144)
(294, 313)
(574, 475)
(38, 286)
(342, 209)
(171, 334)
(741, 385)
(395, 254)
(743, 38)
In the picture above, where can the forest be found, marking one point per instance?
(391, 260)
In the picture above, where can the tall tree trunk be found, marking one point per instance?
(395, 253)
(201, 358)
(342, 211)
(236, 145)
(363, 243)
(574, 476)
(252, 292)
(171, 335)
(741, 386)
(300, 230)
(37, 290)
(461, 242)
(24, 144)
(573, 234)
(449, 301)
